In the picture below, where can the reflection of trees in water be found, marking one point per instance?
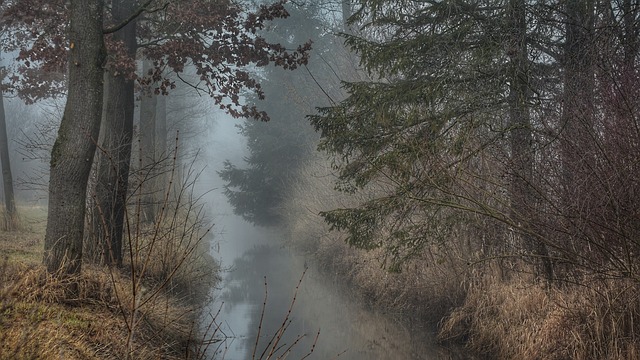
(245, 284)
(346, 326)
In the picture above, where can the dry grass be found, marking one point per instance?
(502, 317)
(24, 242)
(41, 319)
(517, 320)
(423, 293)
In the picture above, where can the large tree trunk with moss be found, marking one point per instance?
(114, 160)
(7, 177)
(74, 148)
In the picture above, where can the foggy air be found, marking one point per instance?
(352, 179)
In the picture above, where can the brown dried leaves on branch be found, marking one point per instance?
(219, 42)
(218, 39)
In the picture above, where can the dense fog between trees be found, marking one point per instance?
(435, 160)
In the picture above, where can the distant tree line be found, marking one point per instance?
(276, 149)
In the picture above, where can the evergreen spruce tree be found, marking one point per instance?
(482, 117)
(417, 134)
(257, 188)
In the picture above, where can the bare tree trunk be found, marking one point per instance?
(75, 145)
(346, 14)
(93, 244)
(162, 151)
(148, 105)
(7, 177)
(576, 128)
(522, 187)
(578, 97)
(115, 159)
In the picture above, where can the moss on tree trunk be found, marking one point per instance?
(73, 152)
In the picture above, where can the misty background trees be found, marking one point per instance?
(488, 124)
(277, 149)
(215, 46)
(7, 176)
(487, 137)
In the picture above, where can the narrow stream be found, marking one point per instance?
(345, 328)
(323, 309)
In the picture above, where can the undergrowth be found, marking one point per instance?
(149, 308)
(426, 290)
(39, 320)
(517, 320)
(494, 311)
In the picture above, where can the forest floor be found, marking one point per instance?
(102, 320)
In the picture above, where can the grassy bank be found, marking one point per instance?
(516, 320)
(431, 285)
(495, 312)
(108, 317)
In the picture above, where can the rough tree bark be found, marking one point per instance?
(346, 14)
(7, 177)
(576, 129)
(115, 159)
(522, 192)
(148, 105)
(578, 98)
(74, 148)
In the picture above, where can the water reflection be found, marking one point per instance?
(347, 330)
(245, 291)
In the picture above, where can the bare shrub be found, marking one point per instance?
(168, 260)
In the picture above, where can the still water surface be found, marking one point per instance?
(347, 328)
